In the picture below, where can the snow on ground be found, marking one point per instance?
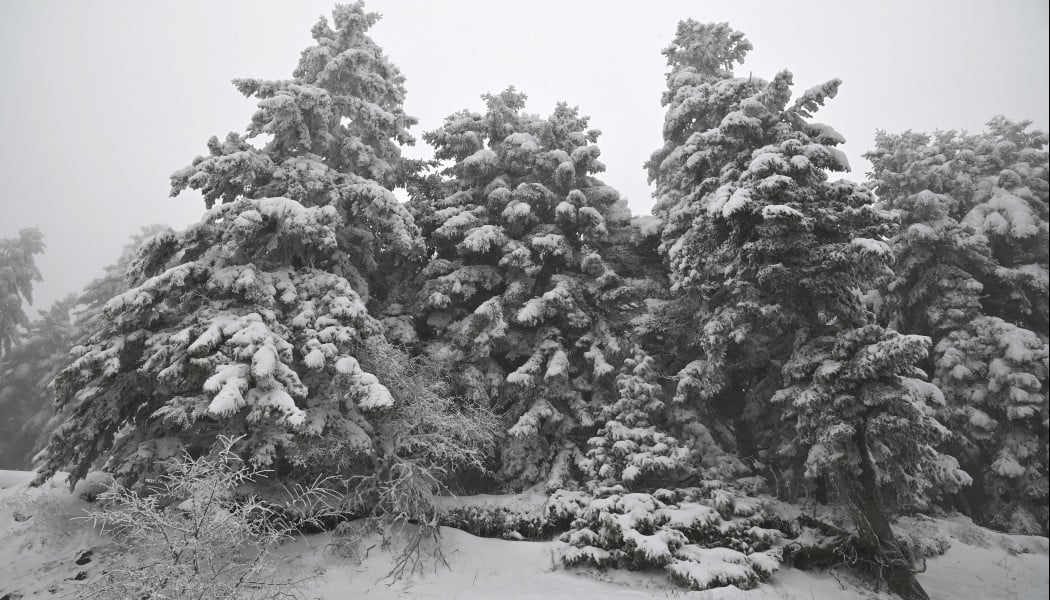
(45, 555)
(41, 542)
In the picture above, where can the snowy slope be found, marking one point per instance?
(41, 548)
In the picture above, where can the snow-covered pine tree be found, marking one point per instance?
(640, 516)
(235, 325)
(25, 376)
(26, 395)
(766, 256)
(973, 211)
(630, 449)
(738, 173)
(994, 375)
(113, 281)
(17, 273)
(330, 135)
(933, 289)
(861, 406)
(971, 272)
(249, 322)
(516, 232)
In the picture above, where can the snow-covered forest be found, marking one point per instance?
(777, 368)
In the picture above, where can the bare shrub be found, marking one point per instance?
(191, 536)
(42, 511)
(420, 441)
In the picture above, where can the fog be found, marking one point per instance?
(103, 100)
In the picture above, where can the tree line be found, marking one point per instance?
(769, 334)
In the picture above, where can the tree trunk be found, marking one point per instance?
(891, 560)
(821, 492)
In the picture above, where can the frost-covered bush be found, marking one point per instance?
(418, 445)
(420, 441)
(533, 514)
(192, 534)
(703, 537)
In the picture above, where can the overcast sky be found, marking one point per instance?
(101, 101)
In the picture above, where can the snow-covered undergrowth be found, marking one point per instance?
(45, 554)
(702, 538)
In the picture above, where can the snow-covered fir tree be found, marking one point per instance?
(973, 212)
(250, 322)
(861, 406)
(994, 374)
(766, 257)
(661, 384)
(744, 200)
(17, 273)
(330, 135)
(972, 273)
(26, 373)
(641, 515)
(630, 449)
(113, 281)
(516, 231)
(26, 395)
(235, 325)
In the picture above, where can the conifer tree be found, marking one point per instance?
(516, 232)
(973, 212)
(630, 448)
(971, 272)
(641, 516)
(17, 273)
(994, 375)
(232, 326)
(767, 255)
(862, 407)
(26, 394)
(330, 135)
(26, 373)
(249, 323)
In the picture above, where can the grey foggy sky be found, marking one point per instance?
(101, 101)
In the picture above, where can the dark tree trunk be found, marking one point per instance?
(891, 561)
(821, 491)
